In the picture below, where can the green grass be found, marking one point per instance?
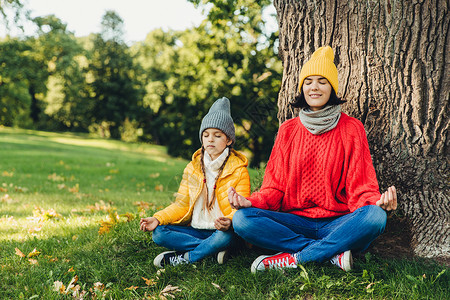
(56, 189)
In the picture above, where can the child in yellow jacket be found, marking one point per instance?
(198, 223)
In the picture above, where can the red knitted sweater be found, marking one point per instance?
(319, 176)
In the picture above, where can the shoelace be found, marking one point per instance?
(280, 263)
(176, 260)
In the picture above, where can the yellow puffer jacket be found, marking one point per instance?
(234, 174)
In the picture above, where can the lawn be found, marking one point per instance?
(69, 211)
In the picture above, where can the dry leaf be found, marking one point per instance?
(55, 177)
(132, 288)
(149, 282)
(154, 175)
(7, 174)
(169, 291)
(218, 286)
(159, 188)
(72, 283)
(18, 252)
(33, 261)
(114, 171)
(6, 199)
(75, 189)
(34, 253)
(70, 270)
(58, 286)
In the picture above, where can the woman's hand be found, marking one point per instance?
(222, 224)
(388, 200)
(237, 201)
(148, 224)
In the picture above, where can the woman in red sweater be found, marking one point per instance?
(319, 199)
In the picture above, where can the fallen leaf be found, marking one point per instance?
(70, 270)
(169, 291)
(109, 177)
(55, 177)
(34, 253)
(218, 286)
(72, 283)
(149, 282)
(114, 171)
(75, 189)
(58, 286)
(132, 288)
(154, 175)
(18, 252)
(33, 261)
(159, 188)
(7, 174)
(6, 199)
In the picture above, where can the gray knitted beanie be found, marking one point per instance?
(219, 116)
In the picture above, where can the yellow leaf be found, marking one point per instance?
(70, 270)
(33, 261)
(154, 175)
(75, 189)
(7, 174)
(34, 253)
(132, 287)
(130, 217)
(18, 252)
(109, 177)
(113, 171)
(149, 282)
(159, 188)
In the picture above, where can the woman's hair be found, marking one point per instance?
(209, 203)
(300, 102)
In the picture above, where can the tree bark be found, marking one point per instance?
(393, 64)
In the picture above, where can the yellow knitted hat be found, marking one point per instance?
(321, 63)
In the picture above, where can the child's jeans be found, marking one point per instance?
(199, 242)
(310, 239)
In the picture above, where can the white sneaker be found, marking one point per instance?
(343, 260)
(171, 258)
(277, 261)
(222, 256)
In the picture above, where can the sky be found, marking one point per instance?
(140, 16)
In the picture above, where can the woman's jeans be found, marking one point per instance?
(199, 243)
(310, 239)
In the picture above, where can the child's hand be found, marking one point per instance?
(222, 224)
(237, 201)
(148, 224)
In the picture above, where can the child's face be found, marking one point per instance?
(317, 91)
(215, 141)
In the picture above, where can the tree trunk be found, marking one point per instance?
(393, 64)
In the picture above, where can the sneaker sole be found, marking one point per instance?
(159, 258)
(256, 262)
(222, 257)
(347, 261)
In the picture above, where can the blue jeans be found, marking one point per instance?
(310, 239)
(198, 242)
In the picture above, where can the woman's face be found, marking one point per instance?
(317, 91)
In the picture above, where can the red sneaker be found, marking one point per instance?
(343, 260)
(277, 261)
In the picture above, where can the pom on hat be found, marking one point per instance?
(321, 63)
(219, 116)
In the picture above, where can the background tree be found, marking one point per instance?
(117, 92)
(393, 63)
